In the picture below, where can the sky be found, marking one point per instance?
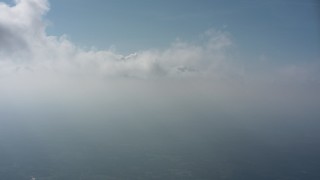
(215, 42)
(274, 28)
(132, 26)
(250, 54)
(160, 78)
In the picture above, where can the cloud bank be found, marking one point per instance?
(78, 113)
(30, 60)
(25, 47)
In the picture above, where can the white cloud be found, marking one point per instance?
(27, 47)
(32, 61)
(21, 25)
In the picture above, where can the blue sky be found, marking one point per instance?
(283, 30)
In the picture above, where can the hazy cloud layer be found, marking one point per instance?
(194, 110)
(32, 61)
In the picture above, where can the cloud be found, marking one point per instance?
(34, 63)
(21, 25)
(25, 47)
